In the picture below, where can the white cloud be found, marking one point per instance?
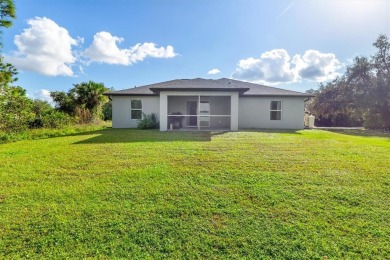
(43, 94)
(104, 49)
(314, 65)
(80, 40)
(44, 47)
(271, 68)
(276, 66)
(213, 71)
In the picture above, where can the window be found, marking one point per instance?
(136, 109)
(276, 110)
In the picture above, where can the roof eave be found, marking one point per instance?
(275, 95)
(158, 90)
(129, 94)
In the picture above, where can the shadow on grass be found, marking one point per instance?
(135, 135)
(273, 131)
(361, 132)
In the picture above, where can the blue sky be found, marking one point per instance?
(289, 44)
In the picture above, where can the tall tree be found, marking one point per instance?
(381, 64)
(15, 107)
(362, 93)
(8, 73)
(83, 100)
(64, 102)
(382, 57)
(89, 95)
(334, 104)
(7, 13)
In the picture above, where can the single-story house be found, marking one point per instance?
(206, 104)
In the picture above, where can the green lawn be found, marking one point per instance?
(144, 194)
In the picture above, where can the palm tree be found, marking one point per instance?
(89, 95)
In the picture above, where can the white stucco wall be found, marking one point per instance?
(254, 112)
(121, 109)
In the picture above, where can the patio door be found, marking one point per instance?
(192, 111)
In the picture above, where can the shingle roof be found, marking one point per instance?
(224, 84)
(195, 84)
(260, 90)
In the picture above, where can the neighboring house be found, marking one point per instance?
(202, 104)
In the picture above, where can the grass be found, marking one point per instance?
(41, 133)
(145, 194)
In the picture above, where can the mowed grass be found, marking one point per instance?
(145, 194)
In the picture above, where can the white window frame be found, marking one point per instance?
(276, 110)
(136, 109)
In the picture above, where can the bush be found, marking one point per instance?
(83, 115)
(148, 122)
(41, 109)
(56, 119)
(15, 110)
(36, 123)
(15, 122)
(107, 111)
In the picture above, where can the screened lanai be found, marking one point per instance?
(198, 112)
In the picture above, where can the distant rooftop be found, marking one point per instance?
(224, 84)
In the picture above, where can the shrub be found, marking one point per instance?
(40, 108)
(107, 111)
(36, 123)
(148, 122)
(83, 115)
(56, 119)
(15, 110)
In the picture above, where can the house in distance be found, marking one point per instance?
(206, 104)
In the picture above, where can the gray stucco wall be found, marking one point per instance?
(121, 110)
(254, 112)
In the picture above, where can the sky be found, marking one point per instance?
(290, 44)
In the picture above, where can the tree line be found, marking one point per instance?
(361, 96)
(84, 103)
